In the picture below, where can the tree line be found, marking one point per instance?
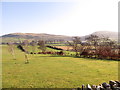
(93, 47)
(96, 47)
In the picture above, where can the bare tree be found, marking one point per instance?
(75, 44)
(104, 50)
(93, 41)
(11, 49)
(42, 46)
(25, 44)
(33, 43)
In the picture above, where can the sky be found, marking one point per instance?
(72, 18)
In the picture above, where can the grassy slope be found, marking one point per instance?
(46, 71)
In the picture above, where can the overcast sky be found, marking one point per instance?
(62, 18)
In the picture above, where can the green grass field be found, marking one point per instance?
(48, 71)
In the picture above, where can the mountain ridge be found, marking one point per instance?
(45, 36)
(110, 34)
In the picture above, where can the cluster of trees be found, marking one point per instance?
(96, 47)
(24, 46)
(93, 47)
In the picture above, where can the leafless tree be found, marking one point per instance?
(34, 44)
(25, 44)
(42, 46)
(104, 50)
(11, 49)
(75, 44)
(93, 41)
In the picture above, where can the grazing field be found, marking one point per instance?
(65, 47)
(49, 71)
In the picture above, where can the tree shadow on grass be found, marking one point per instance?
(47, 55)
(97, 59)
(84, 58)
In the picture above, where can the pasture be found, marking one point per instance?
(50, 71)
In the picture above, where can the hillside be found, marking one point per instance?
(33, 36)
(111, 35)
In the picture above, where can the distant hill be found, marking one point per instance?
(109, 34)
(33, 36)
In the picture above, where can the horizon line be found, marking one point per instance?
(56, 34)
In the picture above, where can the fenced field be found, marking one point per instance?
(54, 71)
